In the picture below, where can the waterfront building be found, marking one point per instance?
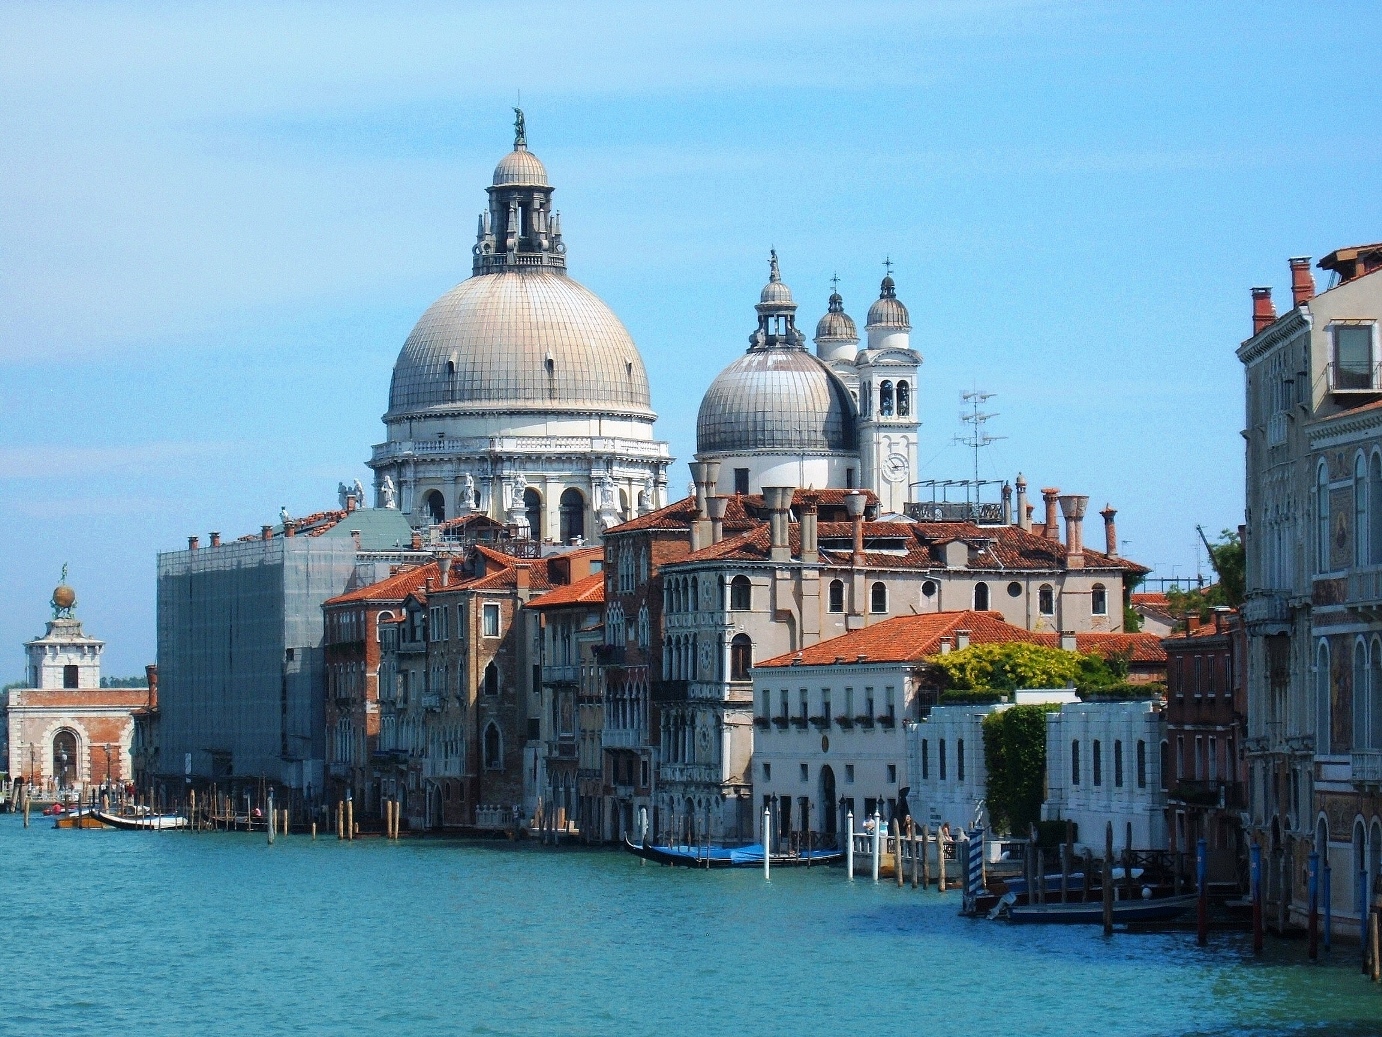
(460, 690)
(241, 657)
(571, 714)
(831, 721)
(351, 639)
(773, 574)
(1104, 765)
(1313, 554)
(62, 730)
(519, 394)
(1206, 725)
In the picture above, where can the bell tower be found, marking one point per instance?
(888, 425)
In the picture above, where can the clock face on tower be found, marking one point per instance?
(895, 468)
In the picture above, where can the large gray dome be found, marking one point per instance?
(777, 401)
(519, 341)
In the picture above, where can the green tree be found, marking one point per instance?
(1015, 758)
(1008, 665)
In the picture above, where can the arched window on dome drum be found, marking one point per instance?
(837, 596)
(436, 506)
(532, 508)
(740, 657)
(904, 399)
(572, 515)
(740, 594)
(981, 597)
(885, 399)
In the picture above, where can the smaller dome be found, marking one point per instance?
(520, 168)
(888, 311)
(836, 324)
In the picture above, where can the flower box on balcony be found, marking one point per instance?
(844, 722)
(887, 721)
(781, 722)
(821, 722)
(799, 722)
(761, 721)
(864, 720)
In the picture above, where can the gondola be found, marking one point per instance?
(141, 822)
(729, 856)
(1152, 909)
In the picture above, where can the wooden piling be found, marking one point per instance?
(1108, 879)
(26, 805)
(897, 851)
(1088, 873)
(916, 857)
(350, 818)
(314, 831)
(925, 858)
(340, 819)
(940, 860)
(273, 824)
(1373, 942)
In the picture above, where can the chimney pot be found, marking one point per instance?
(266, 532)
(716, 507)
(1110, 531)
(193, 543)
(355, 536)
(215, 539)
(1263, 312)
(1302, 282)
(1073, 506)
(854, 504)
(417, 540)
(810, 542)
(444, 564)
(1050, 495)
(779, 501)
(1068, 641)
(961, 640)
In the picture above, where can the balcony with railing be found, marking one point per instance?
(568, 673)
(1367, 766)
(1355, 377)
(431, 700)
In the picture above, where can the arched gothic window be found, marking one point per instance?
(494, 748)
(878, 597)
(740, 657)
(904, 399)
(885, 399)
(740, 594)
(981, 597)
(837, 595)
(491, 679)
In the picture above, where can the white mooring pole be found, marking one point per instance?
(767, 842)
(877, 846)
(849, 845)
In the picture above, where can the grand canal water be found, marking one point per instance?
(176, 934)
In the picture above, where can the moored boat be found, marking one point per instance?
(1091, 912)
(713, 856)
(140, 822)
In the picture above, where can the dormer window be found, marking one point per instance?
(1353, 366)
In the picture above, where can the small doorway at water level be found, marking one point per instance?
(829, 808)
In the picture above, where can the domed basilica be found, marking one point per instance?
(519, 394)
(844, 418)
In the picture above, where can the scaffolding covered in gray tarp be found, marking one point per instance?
(240, 656)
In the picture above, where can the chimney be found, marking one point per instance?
(355, 538)
(698, 479)
(266, 532)
(427, 585)
(1051, 531)
(1031, 509)
(810, 544)
(215, 539)
(416, 542)
(1007, 504)
(290, 528)
(1263, 312)
(1068, 641)
(779, 500)
(961, 640)
(705, 474)
(1192, 621)
(151, 678)
(444, 564)
(945, 646)
(1073, 506)
(193, 543)
(1302, 283)
(1110, 531)
(350, 503)
(854, 504)
(716, 507)
(521, 581)
(1024, 511)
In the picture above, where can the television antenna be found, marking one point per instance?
(976, 439)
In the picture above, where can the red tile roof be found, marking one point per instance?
(394, 588)
(589, 591)
(1141, 648)
(741, 513)
(907, 639)
(915, 545)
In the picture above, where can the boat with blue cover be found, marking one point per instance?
(713, 856)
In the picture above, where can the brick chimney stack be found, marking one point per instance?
(151, 678)
(1110, 531)
(716, 507)
(779, 501)
(416, 542)
(215, 539)
(854, 504)
(266, 532)
(1073, 507)
(522, 582)
(193, 543)
(1051, 495)
(1302, 283)
(1263, 312)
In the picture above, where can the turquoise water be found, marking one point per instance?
(175, 933)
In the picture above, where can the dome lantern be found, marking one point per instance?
(520, 229)
(837, 338)
(889, 324)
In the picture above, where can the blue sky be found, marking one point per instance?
(219, 223)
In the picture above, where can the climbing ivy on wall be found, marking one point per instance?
(1015, 757)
